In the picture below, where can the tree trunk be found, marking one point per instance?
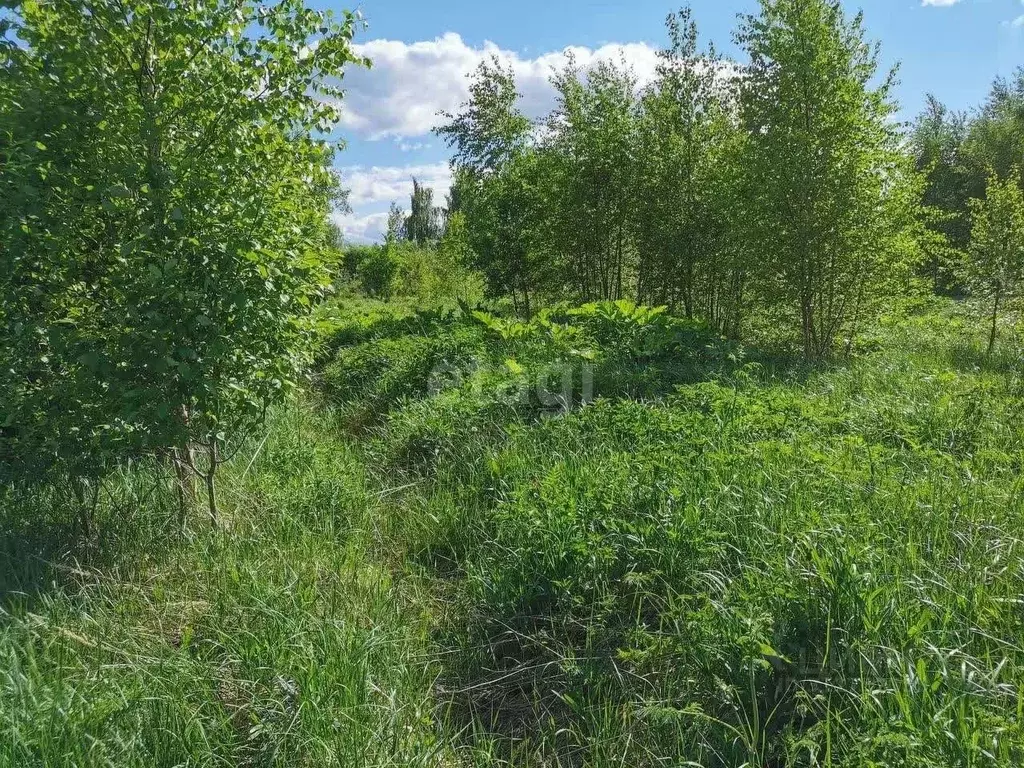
(995, 320)
(211, 488)
(807, 318)
(86, 507)
(183, 458)
(183, 461)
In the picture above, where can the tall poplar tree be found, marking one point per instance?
(423, 224)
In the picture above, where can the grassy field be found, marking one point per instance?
(604, 538)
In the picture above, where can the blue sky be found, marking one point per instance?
(422, 51)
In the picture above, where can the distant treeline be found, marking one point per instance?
(784, 187)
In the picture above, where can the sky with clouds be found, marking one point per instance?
(423, 50)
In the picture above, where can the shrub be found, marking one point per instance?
(377, 273)
(158, 272)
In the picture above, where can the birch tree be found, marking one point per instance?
(995, 266)
(826, 177)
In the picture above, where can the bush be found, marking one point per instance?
(353, 256)
(148, 302)
(377, 272)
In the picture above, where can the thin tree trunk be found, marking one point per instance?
(184, 463)
(618, 266)
(688, 287)
(211, 487)
(805, 310)
(856, 318)
(87, 509)
(995, 319)
(184, 467)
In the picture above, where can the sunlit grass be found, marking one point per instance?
(277, 641)
(766, 565)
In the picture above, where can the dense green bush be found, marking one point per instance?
(163, 243)
(376, 272)
(383, 372)
(431, 274)
(352, 257)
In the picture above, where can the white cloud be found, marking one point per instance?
(410, 83)
(361, 230)
(369, 185)
(373, 187)
(940, 3)
(414, 146)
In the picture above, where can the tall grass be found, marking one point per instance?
(717, 563)
(282, 640)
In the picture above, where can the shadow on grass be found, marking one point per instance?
(966, 357)
(35, 557)
(512, 691)
(46, 549)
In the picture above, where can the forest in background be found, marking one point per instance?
(727, 193)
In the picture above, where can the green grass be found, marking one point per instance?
(281, 640)
(725, 560)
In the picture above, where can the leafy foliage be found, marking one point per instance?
(164, 200)
(996, 266)
(938, 141)
(722, 191)
(959, 152)
(823, 166)
(376, 271)
(424, 222)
